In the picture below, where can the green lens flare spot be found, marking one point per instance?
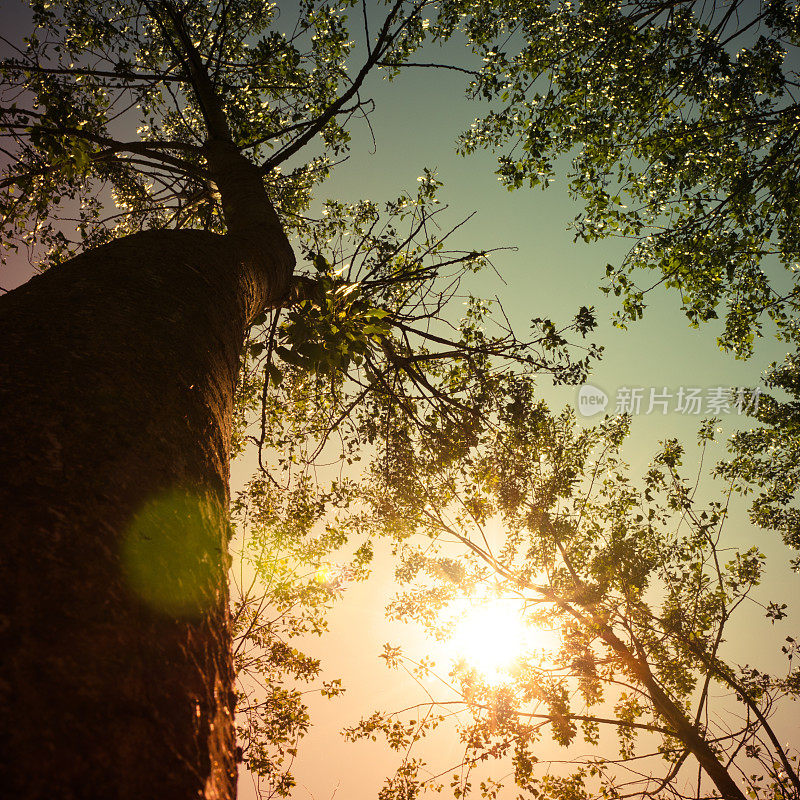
(172, 554)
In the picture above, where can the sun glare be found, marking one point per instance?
(491, 635)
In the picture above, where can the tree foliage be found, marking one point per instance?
(639, 582)
(319, 394)
(766, 458)
(101, 103)
(680, 120)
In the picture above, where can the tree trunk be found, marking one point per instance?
(117, 373)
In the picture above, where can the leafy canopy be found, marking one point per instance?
(639, 581)
(680, 120)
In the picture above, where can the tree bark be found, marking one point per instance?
(117, 373)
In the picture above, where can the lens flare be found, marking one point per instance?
(172, 556)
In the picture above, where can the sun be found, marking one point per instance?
(491, 635)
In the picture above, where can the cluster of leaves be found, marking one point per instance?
(681, 122)
(634, 577)
(766, 459)
(292, 565)
(372, 339)
(91, 74)
(374, 321)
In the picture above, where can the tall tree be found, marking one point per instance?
(119, 364)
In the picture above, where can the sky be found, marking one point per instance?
(415, 123)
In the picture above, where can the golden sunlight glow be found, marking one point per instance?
(491, 636)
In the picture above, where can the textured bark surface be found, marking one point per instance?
(117, 373)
